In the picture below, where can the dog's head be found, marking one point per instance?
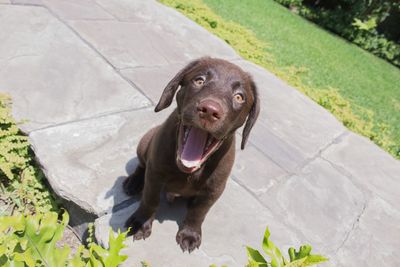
(215, 98)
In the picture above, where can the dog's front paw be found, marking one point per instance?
(134, 183)
(188, 239)
(140, 227)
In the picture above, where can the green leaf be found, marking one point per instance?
(111, 257)
(272, 251)
(93, 261)
(297, 263)
(116, 244)
(315, 259)
(43, 232)
(292, 254)
(31, 240)
(304, 254)
(25, 257)
(252, 264)
(304, 251)
(16, 222)
(255, 256)
(78, 259)
(146, 264)
(365, 25)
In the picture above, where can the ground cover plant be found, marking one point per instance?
(360, 89)
(33, 240)
(22, 183)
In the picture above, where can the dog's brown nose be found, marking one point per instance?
(209, 110)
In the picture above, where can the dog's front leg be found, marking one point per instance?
(189, 234)
(141, 221)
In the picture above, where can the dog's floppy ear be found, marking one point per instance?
(173, 85)
(252, 117)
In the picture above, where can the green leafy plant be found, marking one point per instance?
(365, 25)
(300, 258)
(22, 187)
(33, 241)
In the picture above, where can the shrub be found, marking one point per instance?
(22, 185)
(300, 258)
(32, 241)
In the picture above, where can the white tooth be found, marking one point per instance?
(190, 163)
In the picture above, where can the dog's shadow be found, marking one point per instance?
(126, 205)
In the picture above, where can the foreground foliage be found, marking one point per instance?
(22, 187)
(300, 258)
(33, 241)
(356, 87)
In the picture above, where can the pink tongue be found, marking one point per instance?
(194, 147)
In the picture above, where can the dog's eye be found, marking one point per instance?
(199, 81)
(239, 97)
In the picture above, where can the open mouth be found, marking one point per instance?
(195, 146)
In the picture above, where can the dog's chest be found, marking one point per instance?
(185, 185)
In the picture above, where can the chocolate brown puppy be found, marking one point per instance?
(191, 154)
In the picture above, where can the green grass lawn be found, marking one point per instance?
(361, 90)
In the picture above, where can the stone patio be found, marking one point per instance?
(86, 74)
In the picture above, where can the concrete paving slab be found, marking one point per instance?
(127, 44)
(292, 116)
(138, 11)
(77, 9)
(152, 80)
(237, 219)
(167, 32)
(279, 151)
(172, 23)
(27, 2)
(368, 165)
(86, 162)
(320, 202)
(374, 240)
(55, 77)
(254, 171)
